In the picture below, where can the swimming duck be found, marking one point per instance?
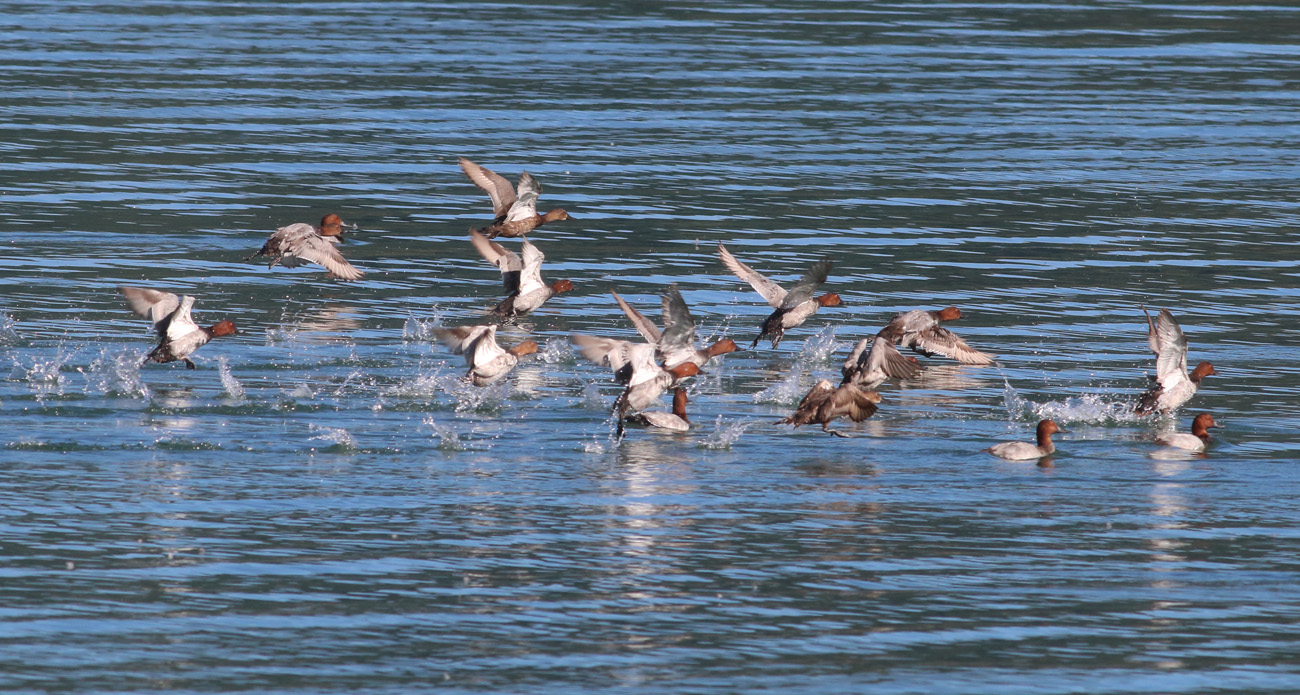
(920, 330)
(302, 243)
(522, 278)
(178, 335)
(825, 403)
(516, 210)
(875, 359)
(1021, 451)
(675, 421)
(1173, 386)
(1198, 440)
(793, 307)
(487, 361)
(635, 367)
(676, 342)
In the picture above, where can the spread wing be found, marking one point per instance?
(498, 189)
(772, 292)
(807, 285)
(807, 409)
(151, 303)
(644, 326)
(505, 260)
(324, 252)
(851, 401)
(525, 206)
(678, 341)
(605, 352)
(1166, 339)
(462, 338)
(937, 340)
(530, 280)
(477, 343)
(878, 361)
(179, 325)
(641, 357)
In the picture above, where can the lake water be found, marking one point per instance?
(323, 507)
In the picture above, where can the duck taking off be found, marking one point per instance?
(515, 208)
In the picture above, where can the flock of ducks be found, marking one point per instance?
(669, 354)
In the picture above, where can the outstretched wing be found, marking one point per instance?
(180, 325)
(807, 285)
(874, 359)
(507, 261)
(851, 401)
(643, 325)
(323, 252)
(772, 292)
(525, 206)
(530, 280)
(1166, 339)
(937, 340)
(497, 188)
(678, 341)
(154, 304)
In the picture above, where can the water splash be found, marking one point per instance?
(424, 385)
(418, 330)
(592, 399)
(341, 441)
(556, 351)
(819, 347)
(44, 375)
(1090, 409)
(233, 388)
(281, 336)
(301, 392)
(8, 332)
(116, 373)
(788, 391)
(475, 398)
(448, 438)
(725, 434)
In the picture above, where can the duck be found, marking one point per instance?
(1022, 451)
(1198, 440)
(522, 278)
(488, 362)
(515, 209)
(919, 330)
(791, 308)
(302, 243)
(178, 335)
(875, 359)
(675, 421)
(1173, 385)
(824, 403)
(676, 342)
(635, 367)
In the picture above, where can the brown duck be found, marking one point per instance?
(515, 210)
